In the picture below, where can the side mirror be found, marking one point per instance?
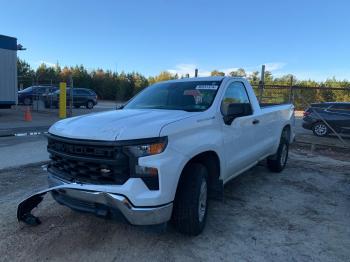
(235, 110)
(119, 107)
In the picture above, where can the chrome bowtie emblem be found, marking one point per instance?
(105, 170)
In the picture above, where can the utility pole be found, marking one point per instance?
(291, 98)
(262, 83)
(196, 72)
(71, 96)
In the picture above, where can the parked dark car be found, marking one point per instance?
(81, 97)
(27, 95)
(337, 115)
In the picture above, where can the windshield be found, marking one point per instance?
(28, 89)
(188, 96)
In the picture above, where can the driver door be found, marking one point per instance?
(239, 136)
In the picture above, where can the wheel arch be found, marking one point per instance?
(287, 132)
(210, 159)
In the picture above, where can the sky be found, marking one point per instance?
(310, 39)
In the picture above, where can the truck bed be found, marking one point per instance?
(264, 105)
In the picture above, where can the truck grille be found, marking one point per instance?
(88, 161)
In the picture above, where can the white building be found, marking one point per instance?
(8, 71)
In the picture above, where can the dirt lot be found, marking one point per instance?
(301, 214)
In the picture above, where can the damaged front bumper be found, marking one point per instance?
(100, 203)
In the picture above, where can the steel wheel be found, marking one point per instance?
(284, 155)
(278, 161)
(202, 203)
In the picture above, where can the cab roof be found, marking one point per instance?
(207, 78)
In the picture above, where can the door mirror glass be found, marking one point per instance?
(235, 110)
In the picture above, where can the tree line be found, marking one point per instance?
(122, 86)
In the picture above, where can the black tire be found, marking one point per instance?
(278, 161)
(190, 210)
(89, 104)
(320, 129)
(27, 101)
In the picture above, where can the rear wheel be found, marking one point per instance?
(27, 101)
(278, 161)
(191, 202)
(90, 105)
(320, 129)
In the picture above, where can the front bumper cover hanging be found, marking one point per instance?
(26, 206)
(134, 215)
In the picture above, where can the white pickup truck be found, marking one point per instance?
(163, 154)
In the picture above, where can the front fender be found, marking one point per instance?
(194, 136)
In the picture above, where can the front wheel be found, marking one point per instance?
(191, 202)
(90, 105)
(320, 129)
(278, 161)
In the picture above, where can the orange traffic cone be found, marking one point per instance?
(27, 115)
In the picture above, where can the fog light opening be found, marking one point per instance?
(144, 171)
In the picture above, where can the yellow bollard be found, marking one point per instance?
(63, 101)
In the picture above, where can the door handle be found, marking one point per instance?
(255, 122)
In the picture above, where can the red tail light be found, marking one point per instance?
(306, 113)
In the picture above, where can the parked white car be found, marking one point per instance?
(162, 155)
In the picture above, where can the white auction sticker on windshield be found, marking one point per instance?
(207, 87)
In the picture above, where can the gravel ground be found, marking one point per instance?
(301, 214)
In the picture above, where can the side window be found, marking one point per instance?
(78, 92)
(235, 93)
(85, 92)
(40, 90)
(90, 92)
(341, 108)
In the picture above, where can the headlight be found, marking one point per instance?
(156, 146)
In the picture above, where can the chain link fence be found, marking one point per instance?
(301, 96)
(40, 95)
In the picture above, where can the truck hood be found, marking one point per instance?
(118, 125)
